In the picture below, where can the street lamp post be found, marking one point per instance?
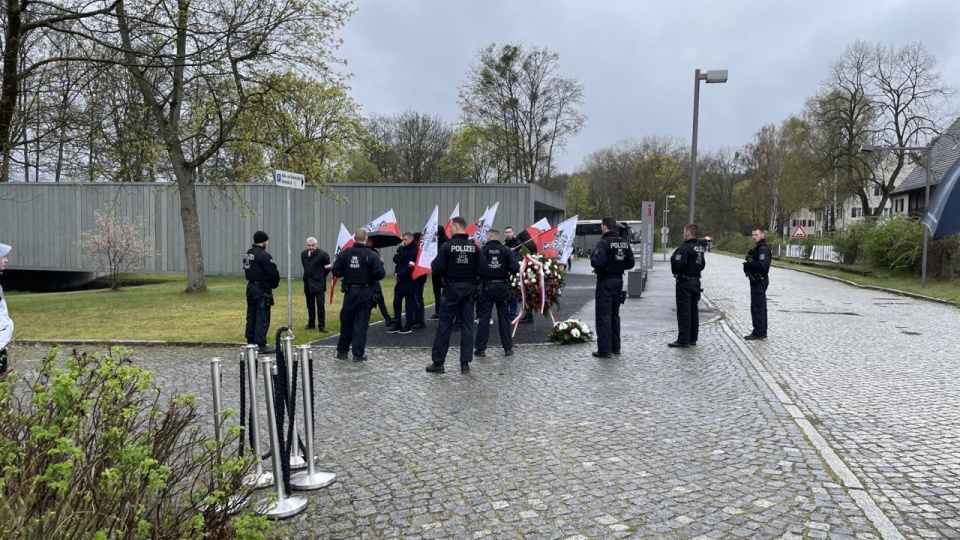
(928, 151)
(711, 76)
(666, 229)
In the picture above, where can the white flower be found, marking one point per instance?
(562, 326)
(575, 333)
(585, 328)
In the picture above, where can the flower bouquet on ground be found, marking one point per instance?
(539, 284)
(571, 331)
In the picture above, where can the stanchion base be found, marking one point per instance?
(307, 482)
(260, 481)
(234, 504)
(288, 507)
(297, 462)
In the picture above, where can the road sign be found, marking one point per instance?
(646, 228)
(664, 230)
(798, 233)
(290, 179)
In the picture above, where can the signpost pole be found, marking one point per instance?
(289, 180)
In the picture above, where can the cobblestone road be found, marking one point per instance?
(876, 373)
(657, 443)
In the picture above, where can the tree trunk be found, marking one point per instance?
(192, 248)
(9, 88)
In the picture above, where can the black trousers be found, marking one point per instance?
(258, 314)
(457, 302)
(378, 292)
(354, 320)
(494, 294)
(607, 311)
(758, 306)
(437, 292)
(315, 310)
(398, 300)
(418, 299)
(688, 315)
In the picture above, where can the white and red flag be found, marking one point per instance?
(344, 241)
(386, 223)
(478, 231)
(558, 240)
(455, 213)
(427, 250)
(536, 230)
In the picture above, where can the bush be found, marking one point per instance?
(851, 242)
(88, 450)
(735, 243)
(896, 244)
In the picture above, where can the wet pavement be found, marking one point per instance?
(837, 426)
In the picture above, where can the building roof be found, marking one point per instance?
(946, 150)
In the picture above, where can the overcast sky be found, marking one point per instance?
(636, 58)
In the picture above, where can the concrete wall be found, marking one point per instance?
(44, 222)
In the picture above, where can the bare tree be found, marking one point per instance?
(117, 246)
(526, 108)
(23, 18)
(719, 174)
(408, 147)
(883, 95)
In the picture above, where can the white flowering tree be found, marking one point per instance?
(117, 246)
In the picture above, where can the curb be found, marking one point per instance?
(128, 343)
(874, 287)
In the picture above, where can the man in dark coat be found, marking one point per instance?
(687, 264)
(756, 266)
(406, 288)
(435, 279)
(611, 258)
(262, 277)
(316, 266)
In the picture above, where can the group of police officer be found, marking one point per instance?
(477, 279)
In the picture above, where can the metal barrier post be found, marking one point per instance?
(260, 478)
(296, 461)
(284, 506)
(310, 479)
(234, 503)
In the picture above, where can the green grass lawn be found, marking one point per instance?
(162, 311)
(944, 290)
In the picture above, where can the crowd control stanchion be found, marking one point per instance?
(285, 506)
(296, 461)
(234, 503)
(310, 479)
(259, 478)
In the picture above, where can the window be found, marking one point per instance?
(856, 212)
(876, 191)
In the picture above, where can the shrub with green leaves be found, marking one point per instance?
(851, 242)
(89, 449)
(896, 244)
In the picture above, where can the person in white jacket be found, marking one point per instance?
(6, 324)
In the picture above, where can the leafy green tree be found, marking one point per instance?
(579, 200)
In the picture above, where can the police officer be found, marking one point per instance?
(757, 268)
(360, 269)
(495, 290)
(610, 259)
(316, 266)
(378, 299)
(459, 262)
(687, 263)
(262, 277)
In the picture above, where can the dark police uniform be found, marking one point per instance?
(406, 288)
(359, 268)
(262, 277)
(459, 263)
(316, 266)
(378, 299)
(610, 259)
(495, 290)
(687, 263)
(757, 268)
